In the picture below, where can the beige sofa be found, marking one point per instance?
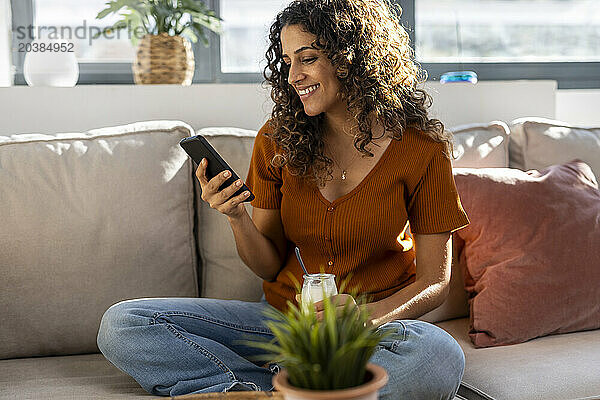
(89, 219)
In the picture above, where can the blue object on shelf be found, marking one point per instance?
(459, 76)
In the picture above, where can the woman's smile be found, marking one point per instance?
(306, 93)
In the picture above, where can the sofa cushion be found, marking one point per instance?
(224, 274)
(537, 143)
(481, 145)
(88, 376)
(531, 251)
(79, 377)
(90, 219)
(555, 367)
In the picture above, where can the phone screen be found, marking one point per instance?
(197, 147)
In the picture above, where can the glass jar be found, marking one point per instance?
(317, 285)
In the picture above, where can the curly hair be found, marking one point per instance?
(370, 52)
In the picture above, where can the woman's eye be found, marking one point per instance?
(307, 60)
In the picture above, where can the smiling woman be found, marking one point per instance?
(358, 60)
(345, 90)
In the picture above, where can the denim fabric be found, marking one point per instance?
(175, 346)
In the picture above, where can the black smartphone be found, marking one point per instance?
(197, 147)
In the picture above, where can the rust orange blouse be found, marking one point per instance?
(363, 233)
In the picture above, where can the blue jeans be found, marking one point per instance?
(175, 346)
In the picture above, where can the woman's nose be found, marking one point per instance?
(295, 75)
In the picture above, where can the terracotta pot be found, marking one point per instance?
(163, 59)
(376, 378)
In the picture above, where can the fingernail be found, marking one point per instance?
(238, 183)
(226, 174)
(203, 161)
(246, 193)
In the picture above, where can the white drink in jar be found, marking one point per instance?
(315, 285)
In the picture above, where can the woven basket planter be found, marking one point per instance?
(164, 59)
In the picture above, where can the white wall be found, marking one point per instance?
(461, 103)
(578, 107)
(46, 109)
(42, 109)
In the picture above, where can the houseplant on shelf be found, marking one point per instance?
(324, 357)
(164, 53)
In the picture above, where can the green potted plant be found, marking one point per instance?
(327, 358)
(164, 54)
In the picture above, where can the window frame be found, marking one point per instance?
(90, 73)
(569, 75)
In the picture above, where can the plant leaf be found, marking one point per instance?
(199, 31)
(134, 21)
(209, 22)
(190, 33)
(188, 18)
(111, 8)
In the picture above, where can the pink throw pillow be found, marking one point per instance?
(532, 251)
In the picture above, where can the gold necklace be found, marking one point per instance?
(344, 170)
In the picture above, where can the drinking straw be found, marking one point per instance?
(300, 260)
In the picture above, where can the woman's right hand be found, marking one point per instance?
(220, 200)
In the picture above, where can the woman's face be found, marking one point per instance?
(311, 73)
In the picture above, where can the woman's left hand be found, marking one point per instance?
(339, 300)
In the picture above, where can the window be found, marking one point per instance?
(245, 28)
(243, 44)
(498, 39)
(76, 20)
(511, 39)
(101, 60)
(480, 31)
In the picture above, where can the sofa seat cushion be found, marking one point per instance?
(81, 377)
(557, 367)
(87, 376)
